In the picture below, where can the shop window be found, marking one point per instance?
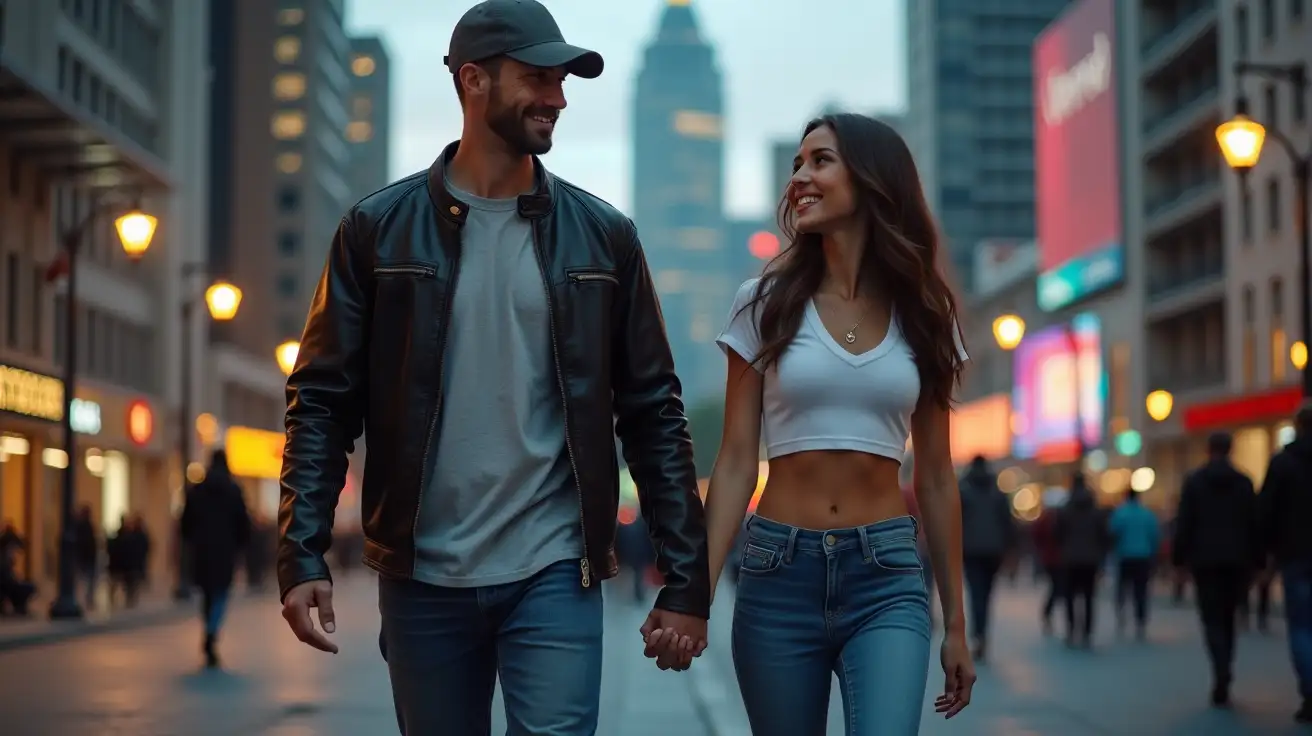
(289, 86)
(288, 124)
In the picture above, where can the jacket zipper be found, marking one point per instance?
(447, 309)
(581, 277)
(405, 270)
(585, 568)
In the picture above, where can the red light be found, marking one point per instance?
(141, 422)
(628, 515)
(763, 245)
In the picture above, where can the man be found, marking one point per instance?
(988, 535)
(1216, 540)
(1136, 534)
(491, 328)
(1082, 540)
(1286, 513)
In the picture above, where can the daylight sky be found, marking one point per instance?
(781, 61)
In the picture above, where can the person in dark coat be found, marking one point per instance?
(1217, 539)
(216, 525)
(1083, 539)
(988, 537)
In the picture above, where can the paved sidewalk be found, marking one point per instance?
(39, 628)
(1033, 684)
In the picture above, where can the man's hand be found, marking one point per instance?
(296, 610)
(673, 639)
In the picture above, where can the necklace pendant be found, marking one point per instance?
(850, 337)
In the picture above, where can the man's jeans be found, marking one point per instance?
(1297, 581)
(811, 604)
(446, 647)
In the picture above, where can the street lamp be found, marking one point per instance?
(222, 299)
(135, 231)
(1159, 404)
(1241, 139)
(286, 354)
(1008, 330)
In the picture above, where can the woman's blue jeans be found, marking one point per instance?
(850, 602)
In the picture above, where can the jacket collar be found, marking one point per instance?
(535, 205)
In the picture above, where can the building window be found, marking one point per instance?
(287, 285)
(287, 49)
(1250, 340)
(359, 131)
(289, 244)
(289, 162)
(1268, 19)
(288, 124)
(1273, 205)
(12, 311)
(1279, 339)
(1246, 216)
(1271, 103)
(289, 199)
(1241, 30)
(362, 106)
(694, 124)
(1296, 10)
(291, 16)
(38, 311)
(289, 86)
(363, 65)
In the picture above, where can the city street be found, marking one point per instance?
(148, 682)
(1035, 686)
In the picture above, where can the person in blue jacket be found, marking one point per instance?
(1136, 534)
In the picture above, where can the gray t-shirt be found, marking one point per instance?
(503, 504)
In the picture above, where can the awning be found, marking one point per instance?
(66, 143)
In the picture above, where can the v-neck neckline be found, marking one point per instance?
(854, 359)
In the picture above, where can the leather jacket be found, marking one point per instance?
(371, 361)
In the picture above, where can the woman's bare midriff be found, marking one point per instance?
(832, 489)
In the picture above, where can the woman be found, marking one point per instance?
(216, 525)
(846, 345)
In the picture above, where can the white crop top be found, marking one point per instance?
(819, 396)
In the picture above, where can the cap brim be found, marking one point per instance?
(577, 61)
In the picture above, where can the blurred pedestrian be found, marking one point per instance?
(1136, 534)
(988, 537)
(1216, 539)
(1286, 514)
(846, 346)
(1083, 538)
(492, 329)
(87, 555)
(216, 525)
(1047, 551)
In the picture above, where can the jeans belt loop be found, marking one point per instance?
(866, 551)
(791, 545)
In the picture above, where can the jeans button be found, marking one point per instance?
(831, 540)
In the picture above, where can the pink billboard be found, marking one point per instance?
(1077, 155)
(1059, 392)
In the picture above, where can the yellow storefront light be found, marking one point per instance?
(1159, 404)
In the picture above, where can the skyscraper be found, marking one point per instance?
(970, 116)
(678, 174)
(369, 132)
(279, 164)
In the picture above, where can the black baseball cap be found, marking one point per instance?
(522, 30)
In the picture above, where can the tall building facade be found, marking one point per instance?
(678, 182)
(280, 165)
(368, 133)
(104, 110)
(970, 111)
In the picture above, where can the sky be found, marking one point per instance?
(781, 62)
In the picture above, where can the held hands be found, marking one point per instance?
(958, 675)
(296, 610)
(673, 639)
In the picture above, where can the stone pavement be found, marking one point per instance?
(147, 682)
(1033, 685)
(38, 628)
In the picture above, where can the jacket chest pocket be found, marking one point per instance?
(404, 292)
(591, 292)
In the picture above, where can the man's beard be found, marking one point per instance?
(511, 125)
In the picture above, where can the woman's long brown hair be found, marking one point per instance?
(900, 258)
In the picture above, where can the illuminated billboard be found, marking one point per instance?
(1044, 395)
(1077, 153)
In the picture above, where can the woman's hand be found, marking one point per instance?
(958, 675)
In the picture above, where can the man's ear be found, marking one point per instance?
(475, 79)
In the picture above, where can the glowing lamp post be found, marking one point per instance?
(1241, 139)
(1008, 330)
(1159, 404)
(135, 231)
(286, 355)
(222, 299)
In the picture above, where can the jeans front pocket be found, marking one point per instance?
(897, 555)
(760, 557)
